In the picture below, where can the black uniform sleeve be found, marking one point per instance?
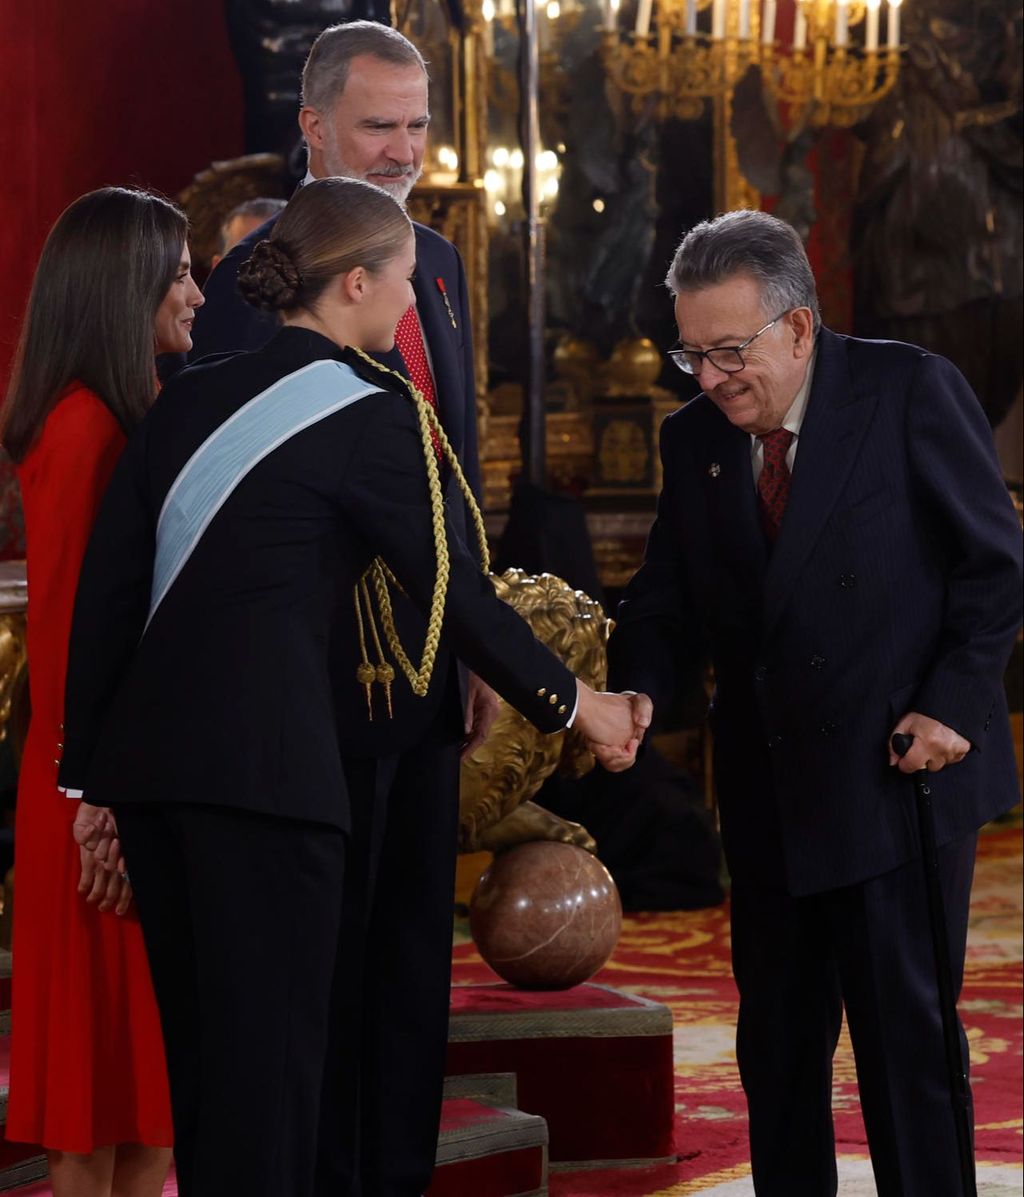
(111, 607)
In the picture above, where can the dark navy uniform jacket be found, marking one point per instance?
(226, 697)
(226, 322)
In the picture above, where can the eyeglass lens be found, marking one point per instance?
(726, 359)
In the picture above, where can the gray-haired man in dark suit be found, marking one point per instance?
(835, 537)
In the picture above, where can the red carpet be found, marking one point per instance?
(682, 960)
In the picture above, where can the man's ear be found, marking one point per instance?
(801, 322)
(313, 127)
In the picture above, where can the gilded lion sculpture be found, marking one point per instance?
(504, 773)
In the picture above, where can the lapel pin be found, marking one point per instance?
(444, 295)
(714, 469)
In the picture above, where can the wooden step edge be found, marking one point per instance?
(513, 1131)
(24, 1172)
(489, 1088)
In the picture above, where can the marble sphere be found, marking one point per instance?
(545, 915)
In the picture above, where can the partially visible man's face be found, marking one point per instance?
(757, 398)
(236, 228)
(377, 129)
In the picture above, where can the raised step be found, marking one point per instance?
(41, 1188)
(487, 1147)
(595, 1063)
(5, 992)
(20, 1163)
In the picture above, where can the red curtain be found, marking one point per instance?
(137, 92)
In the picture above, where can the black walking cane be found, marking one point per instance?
(959, 1093)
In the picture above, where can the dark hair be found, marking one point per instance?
(326, 70)
(753, 243)
(262, 207)
(106, 266)
(328, 228)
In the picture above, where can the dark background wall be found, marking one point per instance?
(137, 92)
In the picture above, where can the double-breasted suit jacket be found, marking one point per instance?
(894, 586)
(227, 322)
(225, 697)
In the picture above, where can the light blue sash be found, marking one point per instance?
(221, 462)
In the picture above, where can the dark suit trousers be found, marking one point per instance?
(385, 1072)
(867, 947)
(240, 915)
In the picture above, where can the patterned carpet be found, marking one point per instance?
(682, 960)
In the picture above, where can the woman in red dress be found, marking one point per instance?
(88, 1076)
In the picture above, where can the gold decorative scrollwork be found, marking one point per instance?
(838, 91)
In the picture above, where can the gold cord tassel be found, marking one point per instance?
(419, 679)
(384, 673)
(365, 672)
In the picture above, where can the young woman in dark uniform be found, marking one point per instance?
(199, 704)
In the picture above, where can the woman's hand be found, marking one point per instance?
(104, 878)
(481, 712)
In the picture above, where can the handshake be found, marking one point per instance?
(612, 724)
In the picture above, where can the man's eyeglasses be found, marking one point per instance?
(727, 358)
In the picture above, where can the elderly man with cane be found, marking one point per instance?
(835, 537)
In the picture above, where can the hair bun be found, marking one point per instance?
(270, 279)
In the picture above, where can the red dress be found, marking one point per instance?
(87, 1056)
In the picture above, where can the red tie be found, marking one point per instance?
(773, 484)
(409, 342)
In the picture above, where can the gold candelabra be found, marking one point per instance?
(831, 72)
(681, 76)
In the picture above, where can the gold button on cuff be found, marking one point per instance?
(542, 691)
(562, 709)
(56, 762)
(553, 699)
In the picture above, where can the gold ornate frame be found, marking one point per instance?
(453, 202)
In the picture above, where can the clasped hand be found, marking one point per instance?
(613, 725)
(104, 878)
(935, 745)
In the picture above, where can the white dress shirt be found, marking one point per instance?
(793, 421)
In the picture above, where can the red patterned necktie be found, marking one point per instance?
(773, 484)
(409, 342)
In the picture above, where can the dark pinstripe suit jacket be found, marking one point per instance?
(895, 585)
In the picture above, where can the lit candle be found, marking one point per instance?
(871, 26)
(718, 19)
(488, 14)
(894, 24)
(842, 27)
(643, 17)
(744, 19)
(691, 17)
(768, 23)
(800, 29)
(611, 15)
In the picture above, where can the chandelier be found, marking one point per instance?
(831, 71)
